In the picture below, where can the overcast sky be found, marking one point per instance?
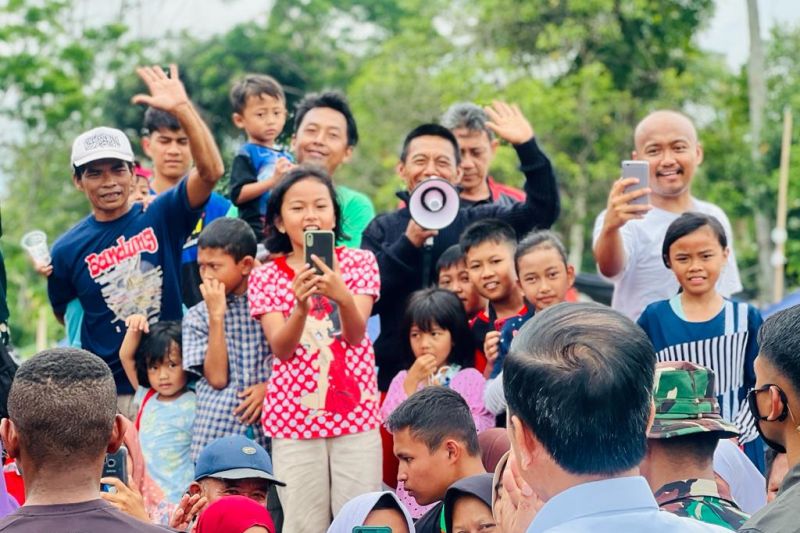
(726, 34)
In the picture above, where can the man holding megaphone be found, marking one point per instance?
(407, 242)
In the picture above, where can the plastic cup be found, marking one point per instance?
(35, 243)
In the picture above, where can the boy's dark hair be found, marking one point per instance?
(158, 119)
(330, 99)
(278, 242)
(431, 130)
(156, 347)
(232, 235)
(452, 256)
(254, 85)
(580, 377)
(63, 402)
(427, 307)
(79, 171)
(779, 343)
(539, 239)
(434, 414)
(687, 223)
(696, 449)
(488, 230)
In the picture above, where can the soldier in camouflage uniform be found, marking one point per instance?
(687, 413)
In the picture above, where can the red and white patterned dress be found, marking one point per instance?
(328, 388)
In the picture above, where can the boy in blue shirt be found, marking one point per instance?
(259, 108)
(121, 260)
(167, 145)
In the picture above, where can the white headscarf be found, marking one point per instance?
(355, 512)
(748, 487)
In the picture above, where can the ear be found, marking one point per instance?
(146, 146)
(400, 170)
(246, 264)
(8, 432)
(77, 182)
(571, 275)
(459, 175)
(493, 145)
(524, 444)
(652, 417)
(117, 433)
(454, 451)
(726, 252)
(775, 405)
(238, 121)
(699, 153)
(348, 154)
(293, 143)
(634, 154)
(279, 224)
(194, 488)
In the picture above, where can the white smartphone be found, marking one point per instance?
(641, 170)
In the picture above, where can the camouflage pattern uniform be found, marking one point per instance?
(686, 403)
(699, 499)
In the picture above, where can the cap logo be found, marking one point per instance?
(101, 140)
(249, 450)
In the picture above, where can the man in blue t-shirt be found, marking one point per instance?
(167, 145)
(121, 259)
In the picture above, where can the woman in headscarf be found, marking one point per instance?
(235, 514)
(740, 476)
(468, 506)
(373, 509)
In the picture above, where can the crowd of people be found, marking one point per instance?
(217, 378)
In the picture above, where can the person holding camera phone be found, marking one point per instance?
(628, 233)
(321, 405)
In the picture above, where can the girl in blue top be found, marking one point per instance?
(152, 359)
(700, 326)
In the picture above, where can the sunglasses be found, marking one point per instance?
(752, 402)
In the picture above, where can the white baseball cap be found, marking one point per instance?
(101, 143)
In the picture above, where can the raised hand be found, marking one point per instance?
(213, 292)
(491, 349)
(137, 324)
(330, 283)
(508, 122)
(305, 285)
(188, 508)
(422, 369)
(620, 209)
(166, 92)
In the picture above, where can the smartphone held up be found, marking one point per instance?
(641, 171)
(321, 244)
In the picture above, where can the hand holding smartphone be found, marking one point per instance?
(640, 170)
(321, 244)
(116, 465)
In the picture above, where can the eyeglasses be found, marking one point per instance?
(752, 402)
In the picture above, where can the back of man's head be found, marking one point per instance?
(63, 403)
(580, 378)
(435, 414)
(779, 343)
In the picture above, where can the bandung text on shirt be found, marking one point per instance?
(129, 285)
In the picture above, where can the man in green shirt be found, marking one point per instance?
(325, 134)
(679, 463)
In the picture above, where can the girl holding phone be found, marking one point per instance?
(321, 405)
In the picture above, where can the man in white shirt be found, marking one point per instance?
(628, 236)
(579, 385)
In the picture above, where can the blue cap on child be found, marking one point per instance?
(234, 457)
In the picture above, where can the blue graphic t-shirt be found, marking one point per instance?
(118, 268)
(254, 163)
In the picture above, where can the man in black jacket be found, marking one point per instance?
(397, 241)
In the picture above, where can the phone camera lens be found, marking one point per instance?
(111, 463)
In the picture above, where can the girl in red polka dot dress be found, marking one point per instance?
(321, 405)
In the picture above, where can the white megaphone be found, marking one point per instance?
(434, 204)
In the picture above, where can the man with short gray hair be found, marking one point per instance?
(478, 146)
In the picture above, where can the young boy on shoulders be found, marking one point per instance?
(221, 343)
(489, 247)
(259, 108)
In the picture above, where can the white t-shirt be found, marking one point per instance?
(645, 279)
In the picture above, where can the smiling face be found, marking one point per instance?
(437, 342)
(544, 277)
(491, 270)
(429, 156)
(697, 260)
(107, 184)
(169, 150)
(477, 153)
(167, 376)
(263, 118)
(455, 279)
(212, 488)
(424, 474)
(307, 205)
(321, 139)
(668, 141)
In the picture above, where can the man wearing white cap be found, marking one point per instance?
(123, 260)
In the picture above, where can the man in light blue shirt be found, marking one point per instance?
(579, 384)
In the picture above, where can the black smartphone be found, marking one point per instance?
(319, 243)
(116, 465)
(641, 170)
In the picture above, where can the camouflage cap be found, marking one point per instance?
(686, 402)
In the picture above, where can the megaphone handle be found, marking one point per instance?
(427, 262)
